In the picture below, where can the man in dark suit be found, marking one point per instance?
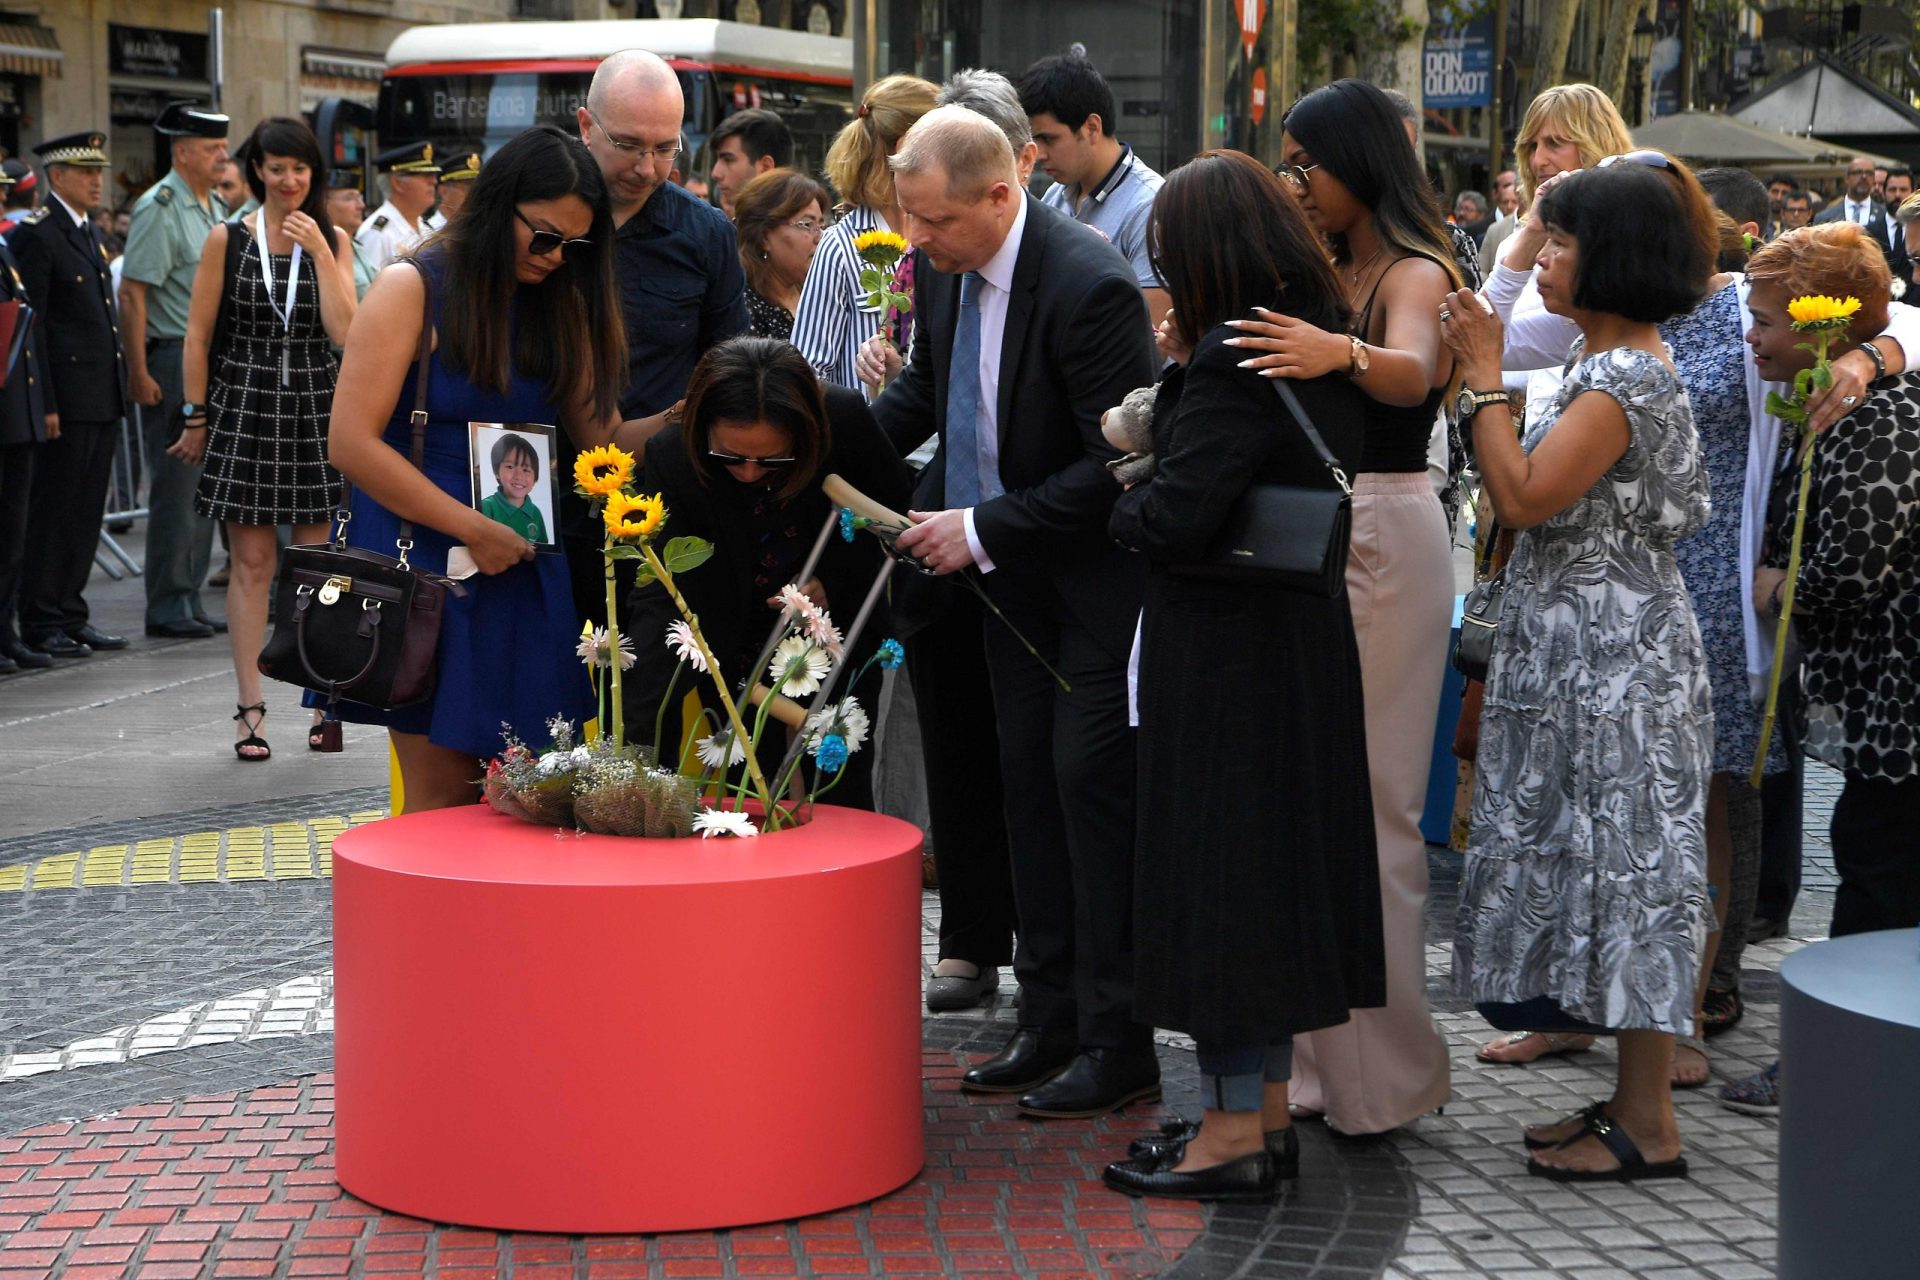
(1029, 329)
(1857, 203)
(65, 269)
(1899, 188)
(25, 425)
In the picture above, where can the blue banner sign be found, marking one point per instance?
(1457, 65)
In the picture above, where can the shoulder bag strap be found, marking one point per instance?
(1299, 413)
(419, 416)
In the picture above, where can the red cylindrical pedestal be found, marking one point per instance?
(543, 1031)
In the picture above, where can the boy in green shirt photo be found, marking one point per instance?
(516, 469)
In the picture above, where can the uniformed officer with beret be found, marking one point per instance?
(456, 180)
(25, 426)
(64, 268)
(400, 222)
(170, 222)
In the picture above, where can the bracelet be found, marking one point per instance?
(1879, 360)
(1773, 599)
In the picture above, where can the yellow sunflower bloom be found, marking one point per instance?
(602, 471)
(880, 248)
(629, 517)
(1820, 311)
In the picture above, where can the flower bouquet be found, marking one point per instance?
(886, 273)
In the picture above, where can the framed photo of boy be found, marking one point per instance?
(514, 481)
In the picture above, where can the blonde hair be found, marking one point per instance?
(1837, 259)
(1583, 115)
(857, 161)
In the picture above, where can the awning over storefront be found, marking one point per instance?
(342, 64)
(29, 51)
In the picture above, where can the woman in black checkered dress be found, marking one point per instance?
(261, 402)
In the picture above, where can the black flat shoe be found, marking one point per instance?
(1032, 1057)
(94, 638)
(60, 646)
(216, 625)
(7, 665)
(1251, 1177)
(1632, 1165)
(1095, 1082)
(184, 629)
(1282, 1144)
(24, 658)
(947, 993)
(1598, 1108)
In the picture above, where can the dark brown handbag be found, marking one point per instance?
(352, 623)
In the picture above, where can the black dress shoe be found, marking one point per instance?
(185, 629)
(24, 658)
(946, 993)
(59, 645)
(1028, 1059)
(1095, 1082)
(216, 625)
(1251, 1177)
(1282, 1144)
(94, 638)
(7, 665)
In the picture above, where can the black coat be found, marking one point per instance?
(66, 274)
(23, 402)
(1256, 884)
(1077, 339)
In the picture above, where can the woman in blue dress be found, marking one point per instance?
(526, 329)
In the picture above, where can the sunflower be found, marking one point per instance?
(629, 517)
(603, 471)
(1817, 311)
(880, 248)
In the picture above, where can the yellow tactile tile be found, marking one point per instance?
(299, 850)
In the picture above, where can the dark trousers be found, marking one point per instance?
(179, 538)
(63, 526)
(966, 805)
(16, 493)
(1781, 811)
(1876, 850)
(1066, 762)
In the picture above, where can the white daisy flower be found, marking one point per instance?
(680, 637)
(720, 750)
(723, 822)
(798, 666)
(593, 642)
(802, 605)
(846, 718)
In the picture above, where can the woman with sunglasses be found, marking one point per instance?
(743, 470)
(1355, 175)
(524, 327)
(779, 217)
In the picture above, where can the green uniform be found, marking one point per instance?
(363, 271)
(164, 237)
(524, 519)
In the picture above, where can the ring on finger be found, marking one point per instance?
(1849, 401)
(1446, 313)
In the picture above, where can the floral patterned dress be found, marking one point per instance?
(1585, 876)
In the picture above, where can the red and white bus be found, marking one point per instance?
(463, 84)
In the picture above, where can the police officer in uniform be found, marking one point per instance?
(347, 207)
(25, 425)
(169, 224)
(400, 222)
(64, 267)
(455, 182)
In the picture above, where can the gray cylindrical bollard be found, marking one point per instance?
(1850, 1108)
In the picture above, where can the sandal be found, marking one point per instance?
(1551, 1043)
(1699, 1046)
(1598, 1108)
(1633, 1166)
(253, 740)
(1721, 1012)
(317, 735)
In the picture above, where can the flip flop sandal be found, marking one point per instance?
(1555, 1044)
(1699, 1046)
(1721, 1012)
(1596, 1108)
(1633, 1166)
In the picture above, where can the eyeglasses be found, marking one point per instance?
(1651, 159)
(736, 460)
(542, 243)
(665, 153)
(811, 226)
(1296, 174)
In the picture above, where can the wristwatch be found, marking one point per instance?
(1361, 360)
(1470, 402)
(189, 410)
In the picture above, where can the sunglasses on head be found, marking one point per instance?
(542, 243)
(1651, 159)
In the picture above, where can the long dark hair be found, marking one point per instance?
(1227, 237)
(569, 333)
(759, 380)
(281, 136)
(1351, 129)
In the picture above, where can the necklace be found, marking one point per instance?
(1363, 267)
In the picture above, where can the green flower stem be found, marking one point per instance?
(713, 668)
(613, 649)
(1786, 611)
(660, 716)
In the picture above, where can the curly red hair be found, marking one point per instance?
(1837, 259)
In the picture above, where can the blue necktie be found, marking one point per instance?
(963, 401)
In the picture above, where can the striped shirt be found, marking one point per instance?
(833, 319)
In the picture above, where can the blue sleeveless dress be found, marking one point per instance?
(507, 648)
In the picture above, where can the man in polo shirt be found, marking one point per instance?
(170, 223)
(1096, 177)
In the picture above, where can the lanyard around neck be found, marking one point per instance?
(266, 270)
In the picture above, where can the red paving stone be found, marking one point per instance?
(242, 1186)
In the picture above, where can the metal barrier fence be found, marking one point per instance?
(123, 500)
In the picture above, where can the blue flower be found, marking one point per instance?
(847, 526)
(832, 754)
(891, 654)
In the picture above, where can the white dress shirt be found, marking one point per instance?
(1860, 212)
(996, 289)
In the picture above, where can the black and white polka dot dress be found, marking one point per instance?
(270, 393)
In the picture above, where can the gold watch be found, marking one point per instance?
(1470, 402)
(1361, 361)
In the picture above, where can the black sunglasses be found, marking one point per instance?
(543, 243)
(736, 460)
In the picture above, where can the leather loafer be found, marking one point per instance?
(1282, 1144)
(948, 993)
(216, 625)
(24, 658)
(59, 645)
(1095, 1082)
(94, 638)
(7, 665)
(1033, 1055)
(184, 629)
(1247, 1178)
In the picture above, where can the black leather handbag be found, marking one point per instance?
(1285, 535)
(1480, 612)
(355, 624)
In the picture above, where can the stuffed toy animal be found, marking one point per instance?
(1128, 427)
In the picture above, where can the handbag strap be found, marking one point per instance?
(1299, 413)
(404, 542)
